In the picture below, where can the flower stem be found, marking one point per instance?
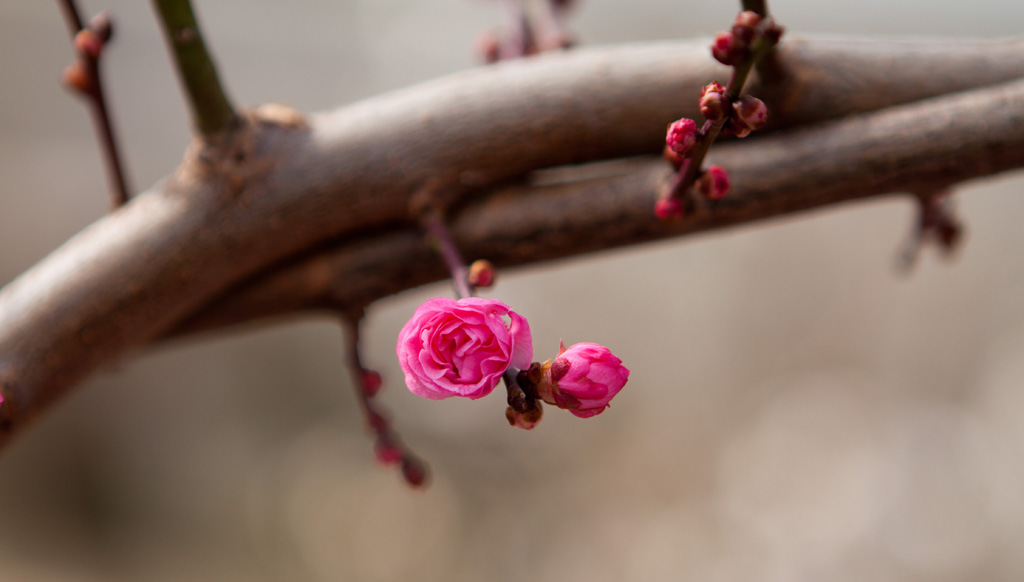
(437, 229)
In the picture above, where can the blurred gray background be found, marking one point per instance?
(797, 409)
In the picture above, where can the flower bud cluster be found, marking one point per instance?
(685, 145)
(736, 46)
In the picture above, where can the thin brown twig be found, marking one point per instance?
(93, 89)
(388, 446)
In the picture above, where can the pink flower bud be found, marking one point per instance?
(584, 379)
(488, 47)
(668, 209)
(745, 26)
(414, 471)
(714, 183)
(387, 451)
(728, 49)
(103, 26)
(773, 33)
(672, 157)
(749, 113)
(88, 42)
(712, 87)
(712, 103)
(77, 78)
(681, 136)
(461, 348)
(481, 273)
(370, 381)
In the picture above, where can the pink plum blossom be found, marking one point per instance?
(461, 348)
(585, 378)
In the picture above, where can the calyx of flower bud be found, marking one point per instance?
(525, 420)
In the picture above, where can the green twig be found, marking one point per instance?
(212, 111)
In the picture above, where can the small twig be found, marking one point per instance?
(936, 222)
(758, 6)
(72, 17)
(84, 76)
(762, 34)
(388, 446)
(437, 229)
(212, 112)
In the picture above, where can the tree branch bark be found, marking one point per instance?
(242, 228)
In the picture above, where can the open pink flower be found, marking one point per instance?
(461, 348)
(585, 378)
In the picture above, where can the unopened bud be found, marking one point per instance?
(712, 105)
(672, 158)
(414, 471)
(88, 42)
(712, 87)
(387, 450)
(714, 183)
(950, 233)
(525, 420)
(103, 26)
(750, 113)
(488, 46)
(77, 78)
(371, 382)
(481, 274)
(681, 136)
(773, 33)
(728, 49)
(669, 209)
(745, 26)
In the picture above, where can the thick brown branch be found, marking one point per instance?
(905, 149)
(276, 188)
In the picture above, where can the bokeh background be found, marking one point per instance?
(797, 410)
